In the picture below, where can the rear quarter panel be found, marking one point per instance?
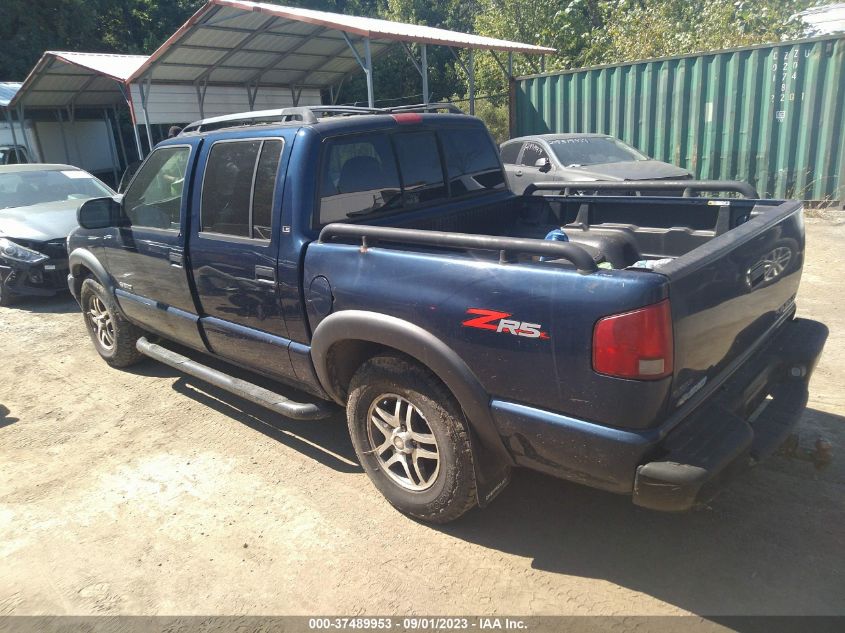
(436, 290)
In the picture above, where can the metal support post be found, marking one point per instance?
(471, 81)
(424, 72)
(369, 70)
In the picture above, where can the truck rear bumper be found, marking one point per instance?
(723, 437)
(746, 420)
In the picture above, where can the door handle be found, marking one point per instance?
(518, 172)
(175, 258)
(265, 275)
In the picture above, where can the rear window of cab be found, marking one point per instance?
(380, 172)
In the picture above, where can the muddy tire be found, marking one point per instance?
(411, 439)
(113, 336)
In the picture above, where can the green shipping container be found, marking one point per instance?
(770, 115)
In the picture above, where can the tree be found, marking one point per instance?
(638, 30)
(28, 28)
(567, 26)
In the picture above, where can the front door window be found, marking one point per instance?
(154, 198)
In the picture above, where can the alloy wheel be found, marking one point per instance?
(403, 442)
(100, 322)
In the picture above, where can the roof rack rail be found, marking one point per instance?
(307, 114)
(303, 114)
(344, 109)
(426, 107)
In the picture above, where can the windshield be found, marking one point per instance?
(593, 150)
(25, 188)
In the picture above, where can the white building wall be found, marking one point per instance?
(90, 144)
(171, 104)
(7, 138)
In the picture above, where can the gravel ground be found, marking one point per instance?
(144, 492)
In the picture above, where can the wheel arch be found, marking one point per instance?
(344, 340)
(82, 264)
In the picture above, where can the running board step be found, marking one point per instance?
(242, 388)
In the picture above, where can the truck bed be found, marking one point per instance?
(716, 269)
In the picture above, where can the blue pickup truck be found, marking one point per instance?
(376, 260)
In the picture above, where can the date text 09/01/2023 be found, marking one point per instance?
(417, 623)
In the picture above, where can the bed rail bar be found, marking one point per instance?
(507, 246)
(688, 186)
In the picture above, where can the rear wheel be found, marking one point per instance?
(411, 439)
(114, 337)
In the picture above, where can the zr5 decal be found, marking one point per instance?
(501, 322)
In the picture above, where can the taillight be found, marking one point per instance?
(636, 344)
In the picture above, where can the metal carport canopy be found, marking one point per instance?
(65, 81)
(250, 44)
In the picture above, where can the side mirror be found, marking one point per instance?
(544, 164)
(100, 213)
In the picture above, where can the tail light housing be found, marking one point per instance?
(636, 344)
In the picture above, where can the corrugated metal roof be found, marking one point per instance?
(7, 91)
(383, 29)
(239, 42)
(115, 66)
(62, 78)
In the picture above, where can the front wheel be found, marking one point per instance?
(411, 439)
(114, 337)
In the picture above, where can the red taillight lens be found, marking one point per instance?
(407, 117)
(635, 344)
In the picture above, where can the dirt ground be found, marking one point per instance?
(143, 492)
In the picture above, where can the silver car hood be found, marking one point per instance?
(631, 170)
(40, 222)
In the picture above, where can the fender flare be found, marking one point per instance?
(492, 464)
(82, 257)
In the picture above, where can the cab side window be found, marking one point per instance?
(359, 176)
(510, 153)
(531, 154)
(155, 197)
(238, 187)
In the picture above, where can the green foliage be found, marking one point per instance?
(28, 28)
(638, 30)
(588, 32)
(494, 113)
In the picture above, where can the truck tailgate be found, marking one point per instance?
(729, 295)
